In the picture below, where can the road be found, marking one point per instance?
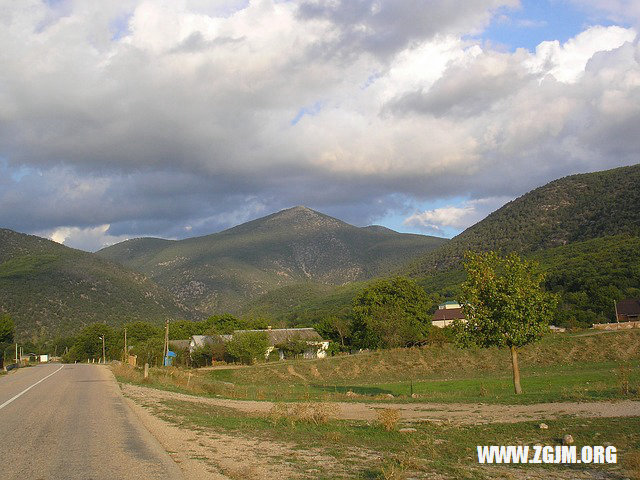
(74, 424)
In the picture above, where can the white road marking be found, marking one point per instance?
(28, 388)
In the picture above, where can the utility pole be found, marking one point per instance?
(166, 341)
(104, 356)
(16, 352)
(126, 356)
(615, 307)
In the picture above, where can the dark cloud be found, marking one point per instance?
(184, 123)
(467, 90)
(383, 27)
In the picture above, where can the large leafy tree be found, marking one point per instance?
(7, 333)
(7, 328)
(505, 304)
(391, 313)
(88, 343)
(138, 332)
(248, 347)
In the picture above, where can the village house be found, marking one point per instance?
(447, 313)
(316, 346)
(628, 310)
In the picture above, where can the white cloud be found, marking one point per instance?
(458, 217)
(184, 117)
(567, 62)
(625, 11)
(88, 239)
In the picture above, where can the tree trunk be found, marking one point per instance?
(516, 370)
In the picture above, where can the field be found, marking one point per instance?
(579, 367)
(341, 417)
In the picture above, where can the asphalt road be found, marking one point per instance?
(74, 424)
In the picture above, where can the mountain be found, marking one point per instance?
(52, 289)
(572, 209)
(228, 270)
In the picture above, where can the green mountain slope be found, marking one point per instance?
(571, 209)
(228, 270)
(54, 290)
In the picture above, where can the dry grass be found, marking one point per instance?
(631, 462)
(388, 418)
(623, 373)
(173, 378)
(418, 362)
(393, 470)
(307, 412)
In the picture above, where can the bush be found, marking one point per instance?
(248, 347)
(201, 356)
(292, 348)
(388, 418)
(314, 413)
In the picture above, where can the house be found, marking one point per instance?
(316, 346)
(198, 341)
(628, 310)
(447, 313)
(179, 345)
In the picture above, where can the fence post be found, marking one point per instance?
(146, 370)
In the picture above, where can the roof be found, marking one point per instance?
(201, 340)
(179, 344)
(448, 314)
(628, 307)
(277, 336)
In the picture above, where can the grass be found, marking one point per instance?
(560, 368)
(364, 450)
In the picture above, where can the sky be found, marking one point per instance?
(177, 118)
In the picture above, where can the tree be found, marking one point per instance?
(7, 328)
(150, 351)
(138, 332)
(293, 347)
(88, 343)
(223, 324)
(391, 313)
(247, 347)
(504, 303)
(335, 328)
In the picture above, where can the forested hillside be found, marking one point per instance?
(571, 209)
(50, 289)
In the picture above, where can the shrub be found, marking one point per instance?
(311, 412)
(248, 347)
(201, 356)
(292, 348)
(388, 418)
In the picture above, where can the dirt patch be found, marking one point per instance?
(453, 413)
(204, 454)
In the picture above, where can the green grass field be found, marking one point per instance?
(559, 368)
(577, 382)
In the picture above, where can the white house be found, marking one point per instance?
(447, 313)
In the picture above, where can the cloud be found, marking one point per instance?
(181, 118)
(624, 11)
(383, 27)
(567, 62)
(88, 239)
(458, 217)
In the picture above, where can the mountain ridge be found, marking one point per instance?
(567, 210)
(51, 289)
(226, 270)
